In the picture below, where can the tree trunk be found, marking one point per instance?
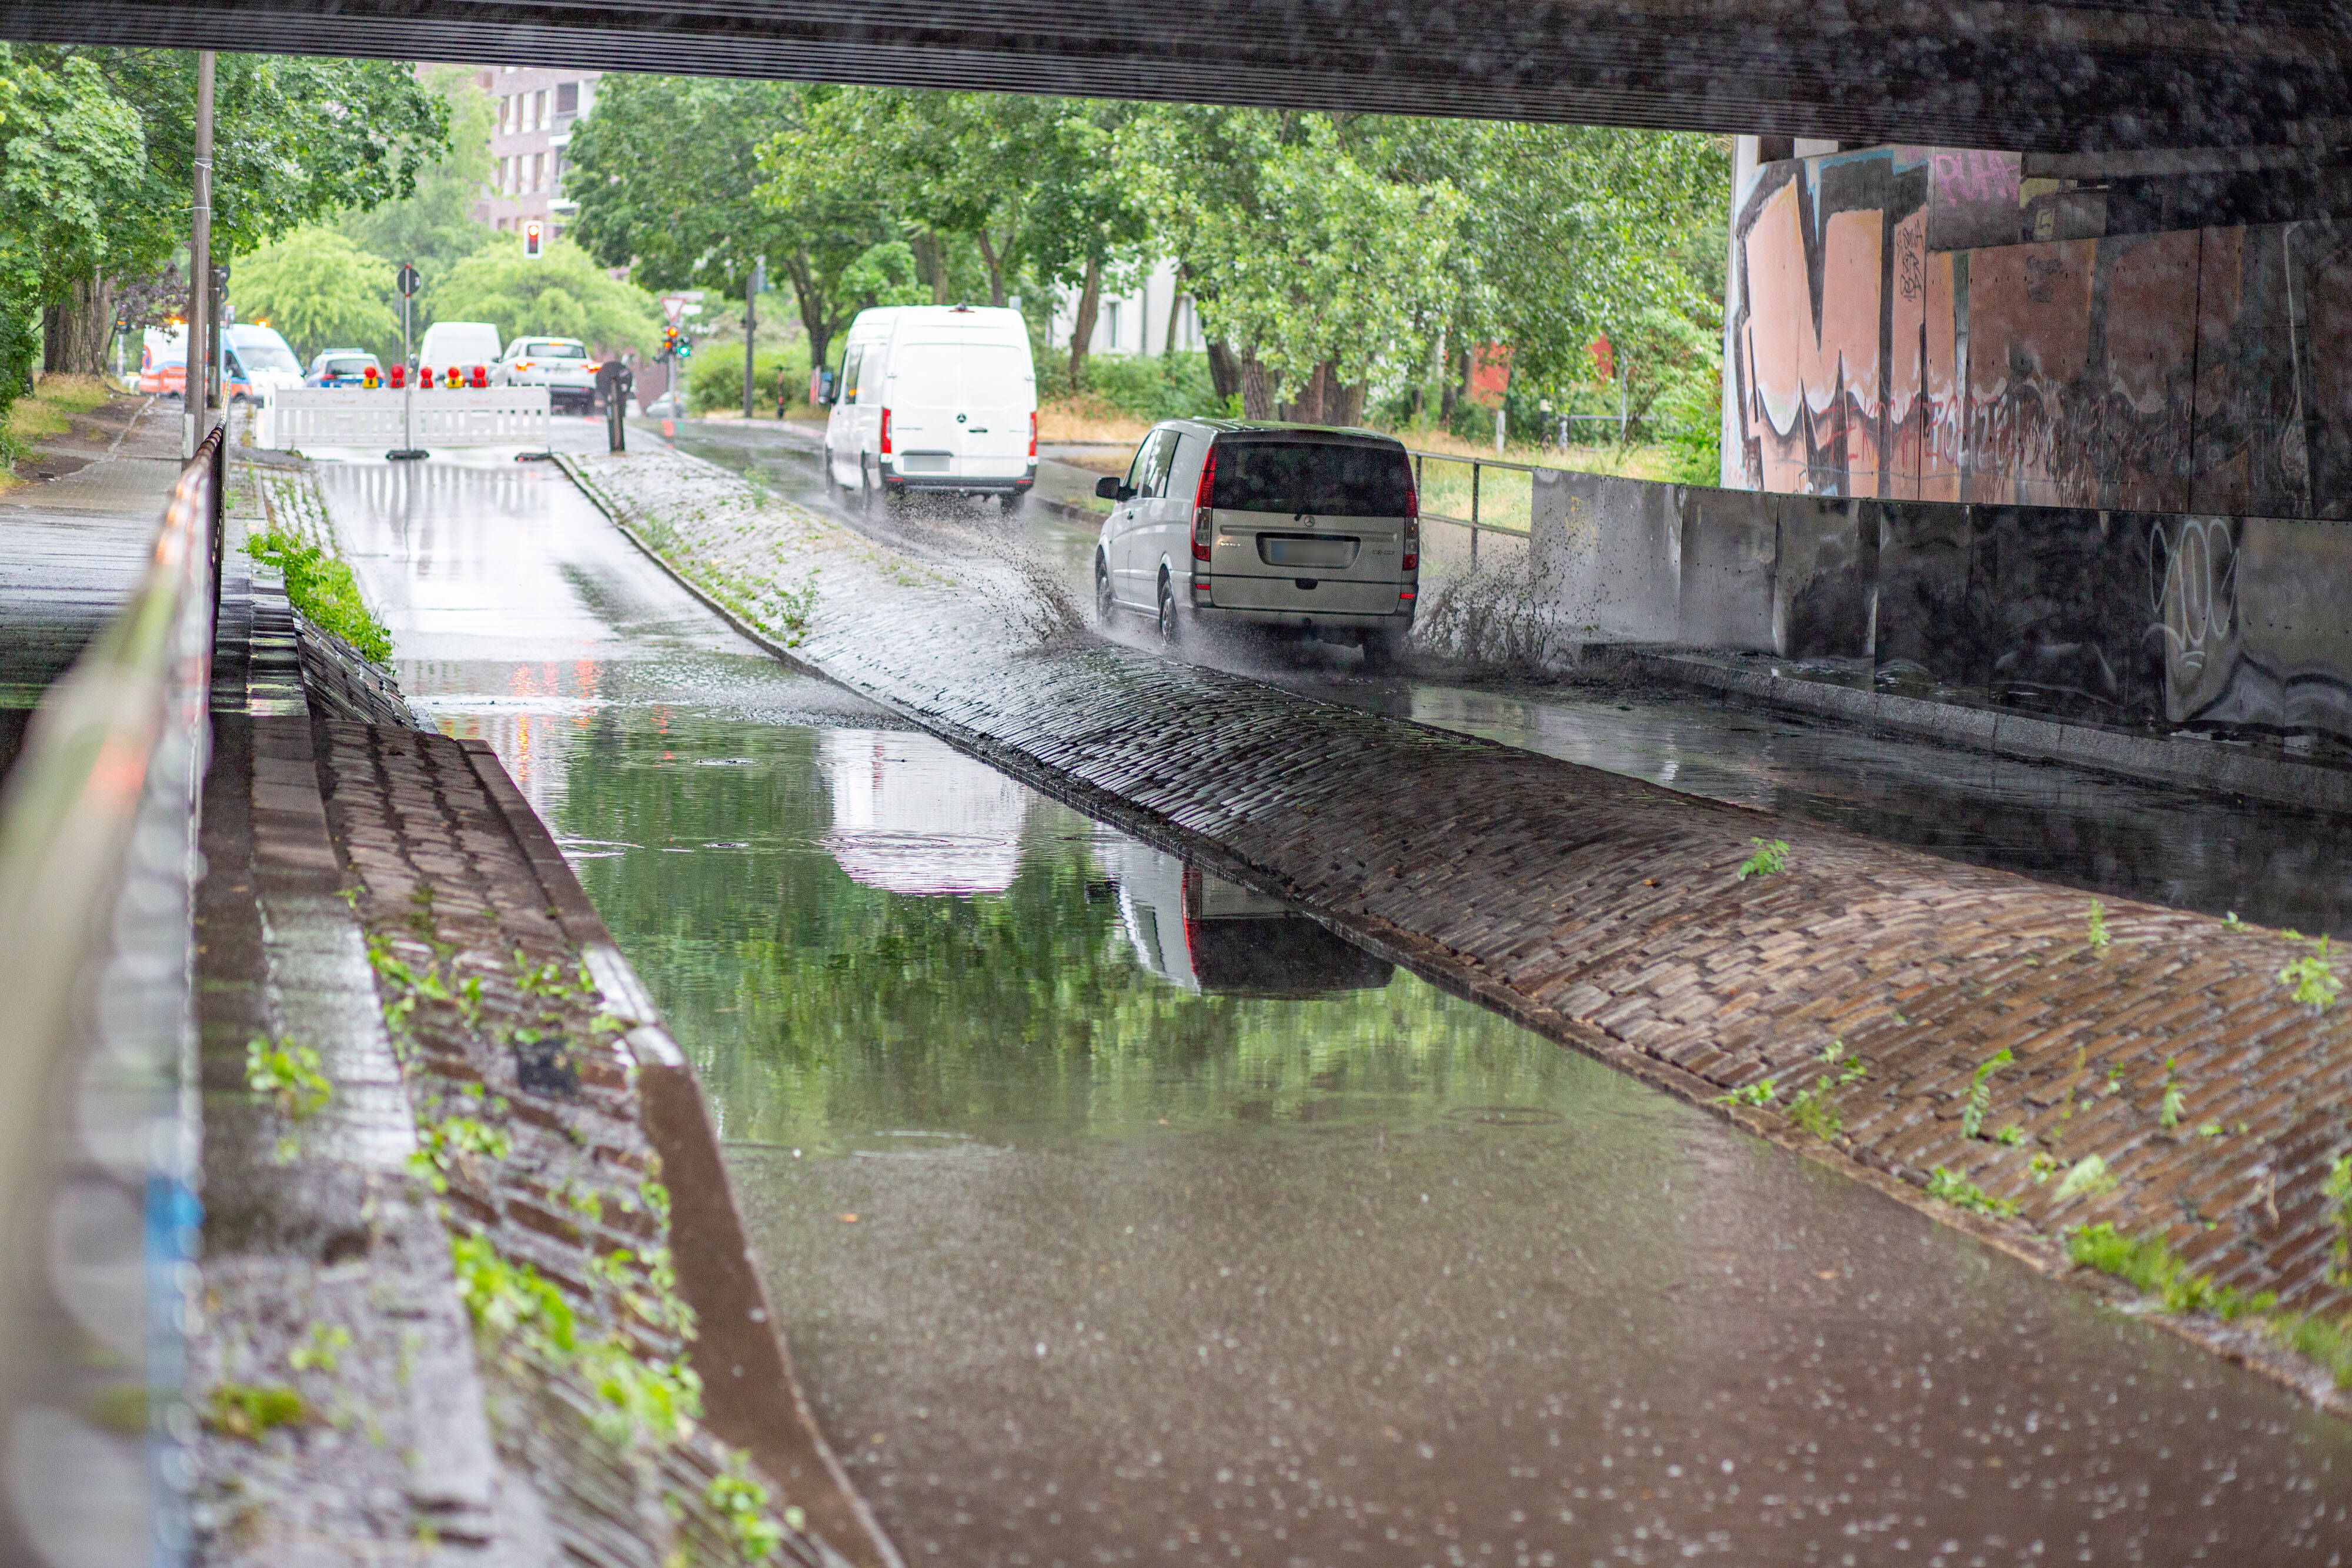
(1451, 394)
(1344, 405)
(997, 294)
(77, 328)
(931, 264)
(814, 318)
(1224, 370)
(1258, 390)
(1167, 338)
(1082, 330)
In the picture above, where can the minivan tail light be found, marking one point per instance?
(1033, 433)
(886, 433)
(1204, 515)
(1412, 527)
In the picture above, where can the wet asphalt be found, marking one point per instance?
(1083, 1260)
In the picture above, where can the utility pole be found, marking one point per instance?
(751, 288)
(195, 382)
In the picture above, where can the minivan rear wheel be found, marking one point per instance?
(1168, 629)
(1106, 602)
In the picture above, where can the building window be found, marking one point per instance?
(538, 170)
(1112, 339)
(539, 109)
(567, 99)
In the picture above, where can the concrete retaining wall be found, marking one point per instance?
(2121, 617)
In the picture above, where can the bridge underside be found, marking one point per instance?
(2025, 74)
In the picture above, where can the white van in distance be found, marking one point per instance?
(934, 397)
(463, 344)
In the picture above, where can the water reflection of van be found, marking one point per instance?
(1205, 934)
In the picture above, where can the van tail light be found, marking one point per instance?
(1412, 527)
(1204, 515)
(886, 433)
(1033, 433)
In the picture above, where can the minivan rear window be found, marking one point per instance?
(1325, 478)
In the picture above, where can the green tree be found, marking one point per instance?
(296, 139)
(71, 152)
(434, 225)
(321, 291)
(563, 293)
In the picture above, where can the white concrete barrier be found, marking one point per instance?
(355, 417)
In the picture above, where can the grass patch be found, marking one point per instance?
(247, 1410)
(1950, 1186)
(322, 588)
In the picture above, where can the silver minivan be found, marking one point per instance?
(1291, 528)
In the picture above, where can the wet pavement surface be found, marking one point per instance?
(2071, 825)
(1091, 1247)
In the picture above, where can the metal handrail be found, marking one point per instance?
(1477, 467)
(98, 869)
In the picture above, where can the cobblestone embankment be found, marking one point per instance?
(2012, 1056)
(475, 1287)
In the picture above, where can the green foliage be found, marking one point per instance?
(1812, 1113)
(434, 225)
(2010, 1136)
(247, 1410)
(714, 377)
(2095, 926)
(321, 292)
(1168, 386)
(1981, 1092)
(322, 1351)
(2088, 1177)
(742, 1502)
(288, 1074)
(2327, 1341)
(563, 293)
(2042, 1167)
(1754, 1094)
(2337, 1190)
(323, 588)
(444, 1146)
(2176, 1103)
(1770, 859)
(1950, 1186)
(2311, 979)
(2149, 1265)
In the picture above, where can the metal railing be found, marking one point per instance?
(98, 871)
(1517, 499)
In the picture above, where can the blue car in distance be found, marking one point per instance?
(343, 368)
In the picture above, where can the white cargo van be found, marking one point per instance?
(934, 397)
(464, 344)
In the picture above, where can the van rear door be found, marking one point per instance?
(1308, 522)
(959, 407)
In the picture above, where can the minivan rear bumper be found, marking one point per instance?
(960, 484)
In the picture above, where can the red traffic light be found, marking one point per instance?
(534, 238)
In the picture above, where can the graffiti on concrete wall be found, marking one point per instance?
(1872, 352)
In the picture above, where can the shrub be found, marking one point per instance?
(1169, 387)
(714, 377)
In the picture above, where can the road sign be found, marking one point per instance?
(408, 281)
(673, 308)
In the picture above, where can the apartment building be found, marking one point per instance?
(1154, 317)
(538, 106)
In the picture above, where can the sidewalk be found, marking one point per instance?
(2037, 1063)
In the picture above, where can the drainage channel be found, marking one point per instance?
(1115, 1211)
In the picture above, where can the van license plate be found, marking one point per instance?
(1308, 549)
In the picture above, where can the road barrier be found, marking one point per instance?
(98, 871)
(359, 416)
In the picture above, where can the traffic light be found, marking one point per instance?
(534, 238)
(685, 347)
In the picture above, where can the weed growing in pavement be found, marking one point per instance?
(1811, 1113)
(2153, 1266)
(744, 1504)
(445, 1143)
(2042, 1167)
(287, 1073)
(1771, 858)
(323, 588)
(1753, 1094)
(247, 1410)
(2096, 926)
(2311, 979)
(1950, 1186)
(2337, 1190)
(2087, 1178)
(2009, 1137)
(789, 611)
(323, 1350)
(2231, 922)
(1981, 1092)
(2176, 1103)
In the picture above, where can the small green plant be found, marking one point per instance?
(2176, 1103)
(2096, 926)
(2042, 1167)
(288, 1074)
(247, 1410)
(790, 609)
(2088, 1177)
(2209, 1130)
(1950, 1186)
(1981, 1092)
(2009, 1137)
(2311, 979)
(743, 1504)
(1811, 1113)
(323, 1350)
(323, 588)
(1752, 1094)
(443, 1144)
(2149, 1265)
(2327, 1341)
(2231, 922)
(1770, 859)
(2337, 1190)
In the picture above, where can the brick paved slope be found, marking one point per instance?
(1610, 913)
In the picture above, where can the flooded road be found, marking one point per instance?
(1114, 1213)
(2071, 825)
